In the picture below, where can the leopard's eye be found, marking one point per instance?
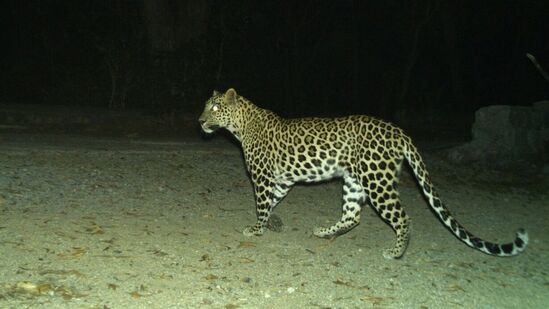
(215, 108)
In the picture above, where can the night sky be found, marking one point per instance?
(383, 58)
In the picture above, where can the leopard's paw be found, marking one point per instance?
(392, 254)
(321, 232)
(252, 231)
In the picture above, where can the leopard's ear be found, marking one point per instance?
(230, 96)
(215, 93)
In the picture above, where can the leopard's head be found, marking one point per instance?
(220, 112)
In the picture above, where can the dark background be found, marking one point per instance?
(415, 62)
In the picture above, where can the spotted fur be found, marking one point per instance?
(366, 152)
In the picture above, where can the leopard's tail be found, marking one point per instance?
(509, 249)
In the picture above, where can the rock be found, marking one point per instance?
(503, 136)
(543, 108)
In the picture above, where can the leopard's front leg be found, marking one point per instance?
(267, 196)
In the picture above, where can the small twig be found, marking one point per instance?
(536, 64)
(236, 209)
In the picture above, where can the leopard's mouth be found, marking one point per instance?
(209, 128)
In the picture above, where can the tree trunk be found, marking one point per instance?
(159, 23)
(172, 25)
(449, 10)
(424, 14)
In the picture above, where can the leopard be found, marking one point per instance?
(366, 152)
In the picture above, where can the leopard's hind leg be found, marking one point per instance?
(385, 199)
(353, 198)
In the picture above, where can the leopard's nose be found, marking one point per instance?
(201, 121)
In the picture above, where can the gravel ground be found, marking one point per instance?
(134, 223)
